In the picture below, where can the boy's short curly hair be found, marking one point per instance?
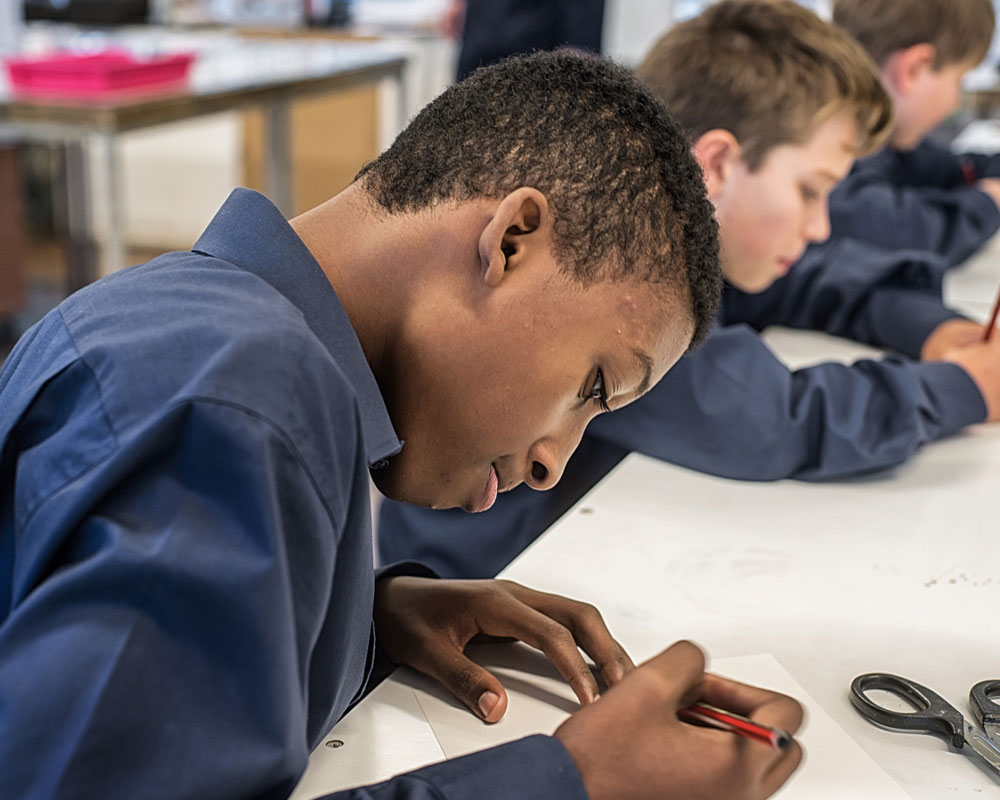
(627, 197)
(768, 71)
(960, 30)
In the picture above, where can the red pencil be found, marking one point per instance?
(993, 319)
(712, 717)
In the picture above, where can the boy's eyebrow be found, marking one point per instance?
(830, 176)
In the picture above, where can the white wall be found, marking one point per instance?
(631, 26)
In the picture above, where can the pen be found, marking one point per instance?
(993, 319)
(712, 717)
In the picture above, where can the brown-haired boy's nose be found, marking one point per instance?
(818, 224)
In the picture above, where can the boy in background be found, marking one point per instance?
(777, 104)
(915, 193)
(187, 600)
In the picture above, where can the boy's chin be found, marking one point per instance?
(754, 284)
(905, 141)
(392, 484)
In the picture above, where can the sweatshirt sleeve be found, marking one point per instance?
(733, 409)
(918, 200)
(887, 299)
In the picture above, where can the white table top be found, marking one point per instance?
(898, 572)
(229, 71)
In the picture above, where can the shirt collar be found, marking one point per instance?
(251, 233)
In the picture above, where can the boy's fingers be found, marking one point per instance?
(555, 640)
(476, 687)
(762, 705)
(520, 620)
(780, 772)
(588, 628)
(680, 670)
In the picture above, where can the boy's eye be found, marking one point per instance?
(808, 193)
(598, 393)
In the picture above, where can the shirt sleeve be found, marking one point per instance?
(981, 165)
(855, 290)
(733, 409)
(158, 645)
(886, 204)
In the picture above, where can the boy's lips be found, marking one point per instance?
(490, 492)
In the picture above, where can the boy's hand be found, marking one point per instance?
(631, 746)
(951, 334)
(426, 624)
(982, 361)
(992, 187)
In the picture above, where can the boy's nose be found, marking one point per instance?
(817, 227)
(548, 457)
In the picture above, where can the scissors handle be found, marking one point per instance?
(933, 713)
(984, 708)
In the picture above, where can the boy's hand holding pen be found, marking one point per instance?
(633, 744)
(976, 349)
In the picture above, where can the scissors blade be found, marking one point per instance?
(993, 731)
(982, 746)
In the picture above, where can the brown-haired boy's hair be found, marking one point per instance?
(768, 71)
(960, 30)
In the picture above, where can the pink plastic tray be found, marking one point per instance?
(96, 74)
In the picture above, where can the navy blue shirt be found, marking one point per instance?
(186, 578)
(733, 409)
(921, 199)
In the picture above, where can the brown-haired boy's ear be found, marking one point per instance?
(507, 236)
(904, 68)
(717, 152)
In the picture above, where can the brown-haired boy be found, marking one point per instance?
(916, 193)
(777, 104)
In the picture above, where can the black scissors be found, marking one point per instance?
(934, 714)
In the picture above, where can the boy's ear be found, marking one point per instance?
(904, 68)
(501, 244)
(717, 151)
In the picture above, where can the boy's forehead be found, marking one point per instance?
(830, 143)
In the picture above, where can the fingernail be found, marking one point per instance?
(487, 702)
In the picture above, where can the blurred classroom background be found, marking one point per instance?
(290, 97)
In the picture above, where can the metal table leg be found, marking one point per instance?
(278, 159)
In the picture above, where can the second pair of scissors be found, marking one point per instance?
(934, 714)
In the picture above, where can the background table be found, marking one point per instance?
(230, 72)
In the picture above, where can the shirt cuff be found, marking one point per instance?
(538, 766)
(986, 206)
(414, 569)
(904, 318)
(953, 394)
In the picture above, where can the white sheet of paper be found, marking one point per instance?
(835, 767)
